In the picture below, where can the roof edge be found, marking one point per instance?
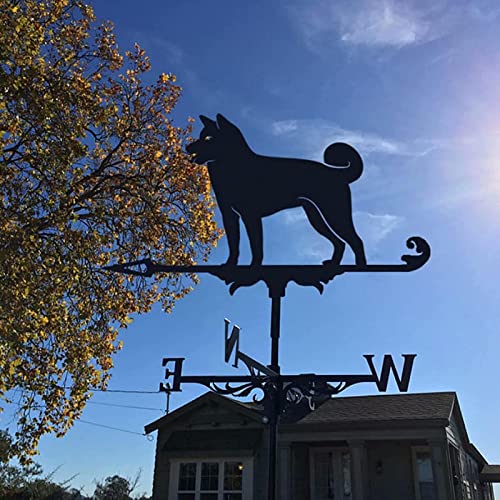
(171, 417)
(373, 424)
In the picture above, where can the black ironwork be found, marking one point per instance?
(282, 398)
(277, 277)
(251, 186)
(294, 388)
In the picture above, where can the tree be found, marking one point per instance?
(25, 482)
(114, 488)
(13, 478)
(92, 171)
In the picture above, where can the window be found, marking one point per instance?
(424, 477)
(330, 474)
(456, 470)
(187, 481)
(346, 472)
(211, 479)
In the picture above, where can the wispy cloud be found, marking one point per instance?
(311, 136)
(488, 12)
(383, 23)
(372, 228)
(172, 52)
(375, 228)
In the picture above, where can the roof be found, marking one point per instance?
(477, 454)
(432, 408)
(199, 402)
(435, 406)
(424, 407)
(490, 474)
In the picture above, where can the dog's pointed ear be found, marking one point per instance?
(225, 124)
(207, 121)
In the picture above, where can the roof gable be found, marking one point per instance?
(200, 409)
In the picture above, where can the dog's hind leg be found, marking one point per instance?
(318, 223)
(344, 227)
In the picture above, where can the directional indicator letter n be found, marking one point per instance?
(177, 372)
(388, 365)
(231, 342)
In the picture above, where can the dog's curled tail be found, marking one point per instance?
(340, 154)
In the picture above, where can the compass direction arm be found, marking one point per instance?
(254, 367)
(261, 376)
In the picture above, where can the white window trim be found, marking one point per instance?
(247, 480)
(414, 451)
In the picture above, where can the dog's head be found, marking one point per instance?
(218, 140)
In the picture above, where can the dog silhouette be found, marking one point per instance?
(251, 186)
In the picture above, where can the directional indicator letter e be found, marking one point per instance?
(231, 342)
(177, 372)
(402, 381)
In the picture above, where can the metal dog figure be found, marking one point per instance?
(252, 186)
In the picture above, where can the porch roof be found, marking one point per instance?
(490, 474)
(433, 406)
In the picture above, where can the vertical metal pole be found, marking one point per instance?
(273, 444)
(167, 410)
(275, 333)
(275, 395)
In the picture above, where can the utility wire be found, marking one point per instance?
(147, 436)
(125, 391)
(112, 428)
(124, 406)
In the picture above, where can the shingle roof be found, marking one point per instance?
(383, 408)
(490, 473)
(353, 410)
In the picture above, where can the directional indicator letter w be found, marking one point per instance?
(388, 365)
(231, 342)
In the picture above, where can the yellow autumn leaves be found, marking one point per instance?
(92, 171)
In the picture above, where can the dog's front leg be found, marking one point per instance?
(231, 221)
(253, 225)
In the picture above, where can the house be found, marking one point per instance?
(385, 447)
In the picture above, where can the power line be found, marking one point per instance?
(107, 404)
(125, 391)
(124, 406)
(148, 437)
(111, 427)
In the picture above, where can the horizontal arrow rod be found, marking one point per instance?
(277, 277)
(339, 269)
(283, 378)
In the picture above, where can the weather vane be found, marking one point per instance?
(249, 186)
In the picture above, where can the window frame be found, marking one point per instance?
(416, 482)
(247, 476)
(337, 468)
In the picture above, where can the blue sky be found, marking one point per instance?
(414, 86)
